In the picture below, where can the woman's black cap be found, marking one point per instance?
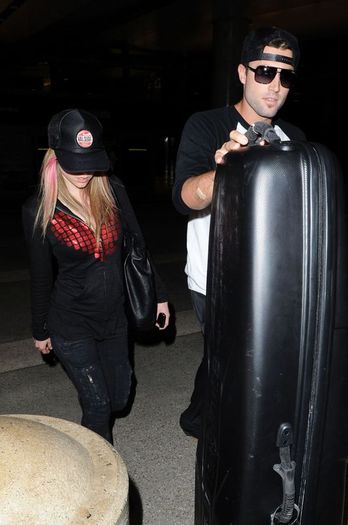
(76, 137)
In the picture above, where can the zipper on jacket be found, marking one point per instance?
(100, 245)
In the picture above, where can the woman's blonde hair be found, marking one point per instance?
(52, 187)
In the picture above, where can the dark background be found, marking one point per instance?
(143, 68)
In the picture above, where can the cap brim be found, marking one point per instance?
(83, 162)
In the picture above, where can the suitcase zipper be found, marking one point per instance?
(316, 265)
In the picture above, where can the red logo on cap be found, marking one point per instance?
(84, 138)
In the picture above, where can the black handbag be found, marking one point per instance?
(139, 284)
(139, 280)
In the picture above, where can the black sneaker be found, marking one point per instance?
(191, 424)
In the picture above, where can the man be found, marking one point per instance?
(269, 60)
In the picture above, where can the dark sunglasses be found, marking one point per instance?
(265, 75)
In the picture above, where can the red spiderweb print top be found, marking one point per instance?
(76, 234)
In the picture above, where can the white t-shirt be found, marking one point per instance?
(197, 241)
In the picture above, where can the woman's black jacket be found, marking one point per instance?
(76, 290)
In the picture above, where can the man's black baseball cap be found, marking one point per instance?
(255, 42)
(76, 137)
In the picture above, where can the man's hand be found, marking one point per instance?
(197, 191)
(237, 140)
(43, 346)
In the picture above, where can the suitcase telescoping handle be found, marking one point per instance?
(260, 131)
(286, 470)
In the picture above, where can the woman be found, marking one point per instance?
(74, 233)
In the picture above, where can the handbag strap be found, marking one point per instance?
(119, 207)
(128, 217)
(131, 225)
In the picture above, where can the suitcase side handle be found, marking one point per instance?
(286, 470)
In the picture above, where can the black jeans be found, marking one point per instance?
(101, 372)
(198, 302)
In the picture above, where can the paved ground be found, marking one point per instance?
(159, 457)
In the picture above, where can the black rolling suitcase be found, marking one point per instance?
(275, 436)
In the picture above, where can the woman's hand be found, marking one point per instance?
(43, 346)
(162, 308)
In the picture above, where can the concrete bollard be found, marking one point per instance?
(54, 471)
